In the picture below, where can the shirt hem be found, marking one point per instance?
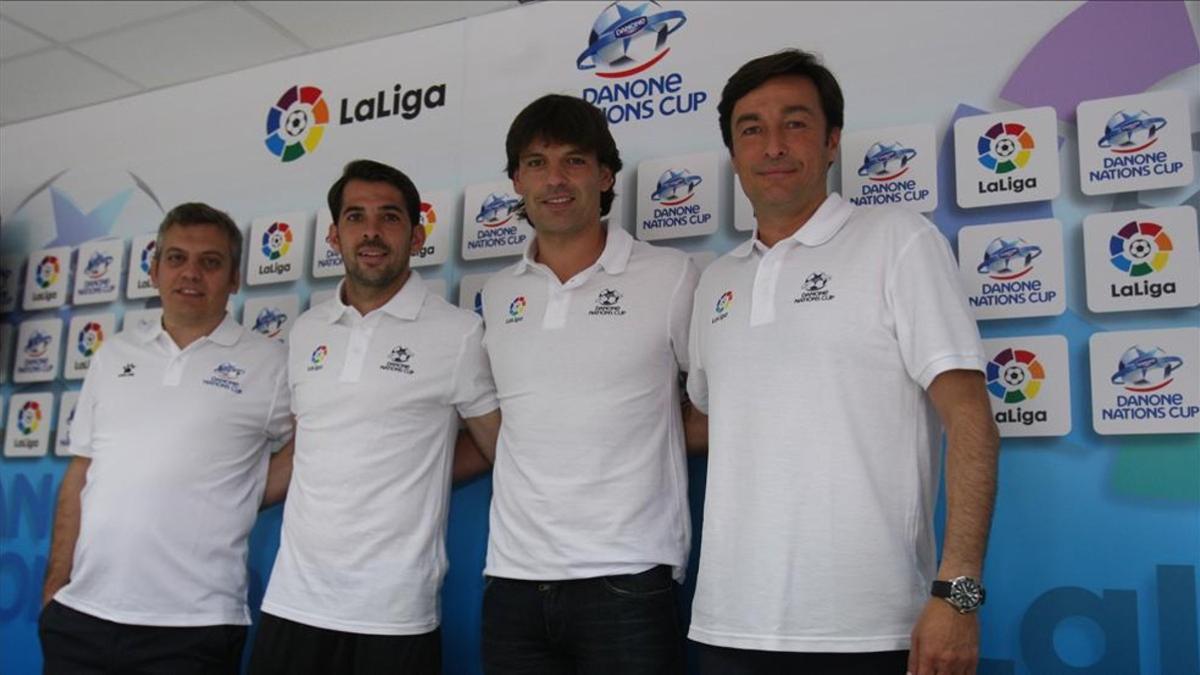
(791, 643)
(189, 619)
(360, 627)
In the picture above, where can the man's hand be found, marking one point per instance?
(944, 642)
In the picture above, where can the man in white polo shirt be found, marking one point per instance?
(379, 376)
(829, 351)
(587, 335)
(147, 565)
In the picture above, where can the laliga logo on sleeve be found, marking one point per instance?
(723, 304)
(1015, 376)
(626, 39)
(90, 339)
(1006, 259)
(1145, 370)
(1140, 249)
(269, 322)
(886, 162)
(516, 310)
(497, 209)
(296, 123)
(1128, 132)
(47, 271)
(671, 182)
(29, 418)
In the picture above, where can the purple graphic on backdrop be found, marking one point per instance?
(1104, 49)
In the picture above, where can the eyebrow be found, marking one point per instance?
(789, 110)
(385, 207)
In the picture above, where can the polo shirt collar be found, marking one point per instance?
(826, 222)
(225, 334)
(618, 245)
(404, 304)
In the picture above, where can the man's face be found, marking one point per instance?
(194, 273)
(375, 233)
(561, 185)
(781, 151)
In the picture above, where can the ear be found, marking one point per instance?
(418, 237)
(332, 238)
(835, 139)
(606, 178)
(154, 271)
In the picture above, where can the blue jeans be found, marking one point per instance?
(620, 625)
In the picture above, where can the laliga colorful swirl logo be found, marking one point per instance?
(90, 338)
(724, 302)
(1015, 375)
(296, 123)
(1140, 248)
(276, 241)
(497, 209)
(47, 271)
(1143, 370)
(319, 354)
(886, 162)
(516, 309)
(147, 256)
(1005, 147)
(671, 183)
(428, 218)
(29, 418)
(1128, 132)
(1006, 259)
(628, 38)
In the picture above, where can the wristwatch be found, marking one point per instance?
(965, 594)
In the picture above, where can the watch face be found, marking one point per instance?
(966, 593)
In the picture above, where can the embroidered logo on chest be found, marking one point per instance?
(226, 376)
(317, 360)
(608, 303)
(516, 310)
(723, 305)
(815, 289)
(399, 360)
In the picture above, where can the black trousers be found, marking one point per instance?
(726, 661)
(75, 643)
(284, 647)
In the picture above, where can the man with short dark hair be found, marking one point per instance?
(379, 376)
(587, 334)
(830, 351)
(147, 569)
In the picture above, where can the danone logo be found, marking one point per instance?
(269, 322)
(29, 418)
(1007, 259)
(1005, 147)
(276, 241)
(97, 265)
(296, 123)
(628, 38)
(497, 209)
(38, 344)
(1128, 132)
(675, 187)
(1015, 375)
(1139, 249)
(90, 338)
(886, 162)
(47, 271)
(1143, 370)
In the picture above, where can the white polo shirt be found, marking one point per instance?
(590, 478)
(178, 445)
(375, 399)
(811, 359)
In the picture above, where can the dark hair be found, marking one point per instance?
(197, 213)
(555, 118)
(753, 74)
(376, 172)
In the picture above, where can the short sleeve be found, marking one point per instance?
(697, 381)
(81, 426)
(473, 391)
(681, 313)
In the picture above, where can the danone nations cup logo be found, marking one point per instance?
(1128, 132)
(675, 187)
(496, 210)
(628, 38)
(296, 123)
(1007, 259)
(886, 162)
(1143, 370)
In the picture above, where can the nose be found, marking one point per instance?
(774, 147)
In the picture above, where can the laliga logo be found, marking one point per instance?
(723, 304)
(496, 210)
(886, 162)
(671, 183)
(1128, 132)
(29, 418)
(1145, 370)
(1015, 375)
(296, 123)
(319, 354)
(147, 256)
(1140, 248)
(1006, 259)
(626, 39)
(276, 241)
(428, 218)
(98, 264)
(90, 338)
(269, 322)
(1005, 147)
(38, 344)
(516, 309)
(47, 271)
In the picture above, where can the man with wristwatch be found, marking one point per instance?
(829, 352)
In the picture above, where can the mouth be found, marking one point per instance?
(558, 200)
(776, 171)
(371, 253)
(189, 292)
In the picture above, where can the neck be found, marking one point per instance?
(775, 225)
(367, 299)
(569, 254)
(184, 332)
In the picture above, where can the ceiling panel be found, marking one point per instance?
(77, 82)
(64, 21)
(15, 40)
(219, 38)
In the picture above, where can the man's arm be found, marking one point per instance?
(279, 472)
(695, 430)
(475, 448)
(66, 528)
(944, 641)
